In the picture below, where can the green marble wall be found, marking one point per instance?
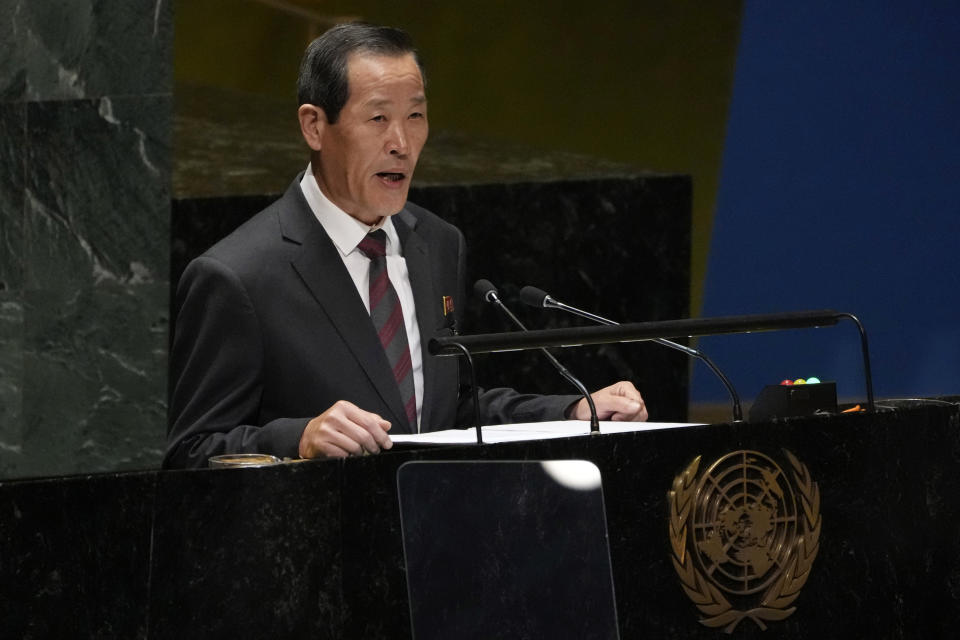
(85, 104)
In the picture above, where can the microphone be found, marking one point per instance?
(535, 297)
(488, 292)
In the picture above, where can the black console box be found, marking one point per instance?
(780, 401)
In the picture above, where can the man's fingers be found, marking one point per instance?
(373, 424)
(361, 434)
(620, 402)
(625, 389)
(613, 406)
(330, 450)
(639, 415)
(342, 430)
(364, 438)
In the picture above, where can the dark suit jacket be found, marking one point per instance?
(271, 332)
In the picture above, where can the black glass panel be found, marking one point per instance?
(506, 550)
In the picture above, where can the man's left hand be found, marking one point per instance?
(620, 402)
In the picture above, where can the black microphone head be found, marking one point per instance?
(533, 296)
(485, 289)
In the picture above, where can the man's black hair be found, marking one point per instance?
(323, 71)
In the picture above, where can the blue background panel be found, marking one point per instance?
(840, 188)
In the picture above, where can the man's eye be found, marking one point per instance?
(378, 119)
(416, 114)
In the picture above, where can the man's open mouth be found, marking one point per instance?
(392, 177)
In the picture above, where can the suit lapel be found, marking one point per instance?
(321, 269)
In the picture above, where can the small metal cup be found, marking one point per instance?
(243, 460)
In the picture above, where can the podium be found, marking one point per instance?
(314, 549)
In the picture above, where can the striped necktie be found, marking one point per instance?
(387, 317)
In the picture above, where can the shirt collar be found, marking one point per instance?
(345, 230)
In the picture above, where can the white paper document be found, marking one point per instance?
(531, 431)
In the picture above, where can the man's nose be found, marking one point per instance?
(397, 140)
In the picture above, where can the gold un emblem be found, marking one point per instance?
(744, 536)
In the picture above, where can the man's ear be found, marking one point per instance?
(312, 122)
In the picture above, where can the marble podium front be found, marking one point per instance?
(314, 549)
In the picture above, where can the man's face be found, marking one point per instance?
(367, 158)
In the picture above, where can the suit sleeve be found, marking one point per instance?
(507, 406)
(217, 368)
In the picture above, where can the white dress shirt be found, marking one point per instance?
(346, 233)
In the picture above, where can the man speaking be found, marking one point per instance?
(303, 333)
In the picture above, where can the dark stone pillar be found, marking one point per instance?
(85, 103)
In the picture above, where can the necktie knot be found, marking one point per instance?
(374, 245)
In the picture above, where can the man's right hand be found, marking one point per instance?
(344, 430)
